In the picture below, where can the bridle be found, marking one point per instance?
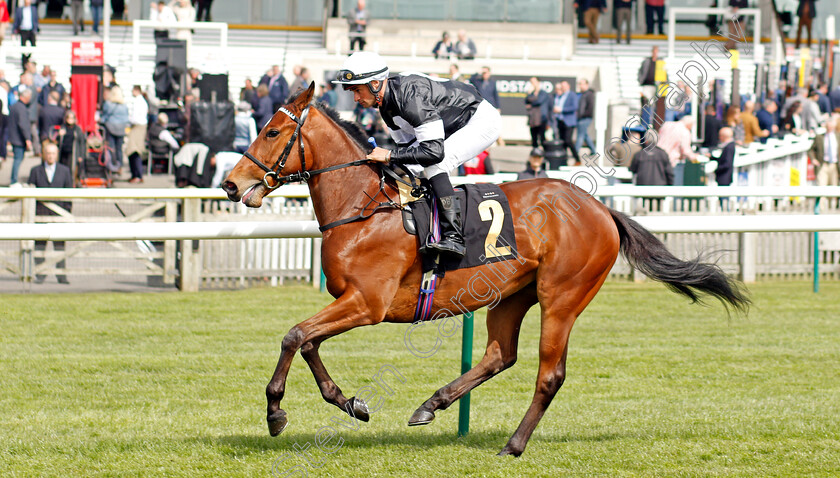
(303, 175)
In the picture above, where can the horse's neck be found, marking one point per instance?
(340, 194)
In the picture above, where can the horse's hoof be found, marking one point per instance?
(277, 422)
(360, 409)
(507, 451)
(421, 417)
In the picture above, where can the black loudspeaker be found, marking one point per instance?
(210, 84)
(555, 153)
(173, 53)
(213, 124)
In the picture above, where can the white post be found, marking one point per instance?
(672, 32)
(758, 51)
(106, 23)
(747, 256)
(135, 47)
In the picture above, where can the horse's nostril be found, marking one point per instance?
(229, 187)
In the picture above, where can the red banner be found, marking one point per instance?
(87, 53)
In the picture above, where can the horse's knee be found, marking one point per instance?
(550, 383)
(308, 348)
(293, 340)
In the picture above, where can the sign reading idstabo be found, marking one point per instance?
(513, 90)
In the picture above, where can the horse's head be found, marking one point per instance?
(274, 154)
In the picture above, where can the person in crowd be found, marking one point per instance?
(4, 117)
(793, 123)
(195, 165)
(77, 15)
(138, 118)
(26, 25)
(264, 109)
(565, 106)
(732, 119)
(455, 73)
(834, 96)
(726, 158)
(737, 24)
(585, 112)
(4, 19)
(246, 127)
(248, 92)
(814, 112)
(806, 12)
(824, 101)
(767, 120)
(184, 13)
(203, 12)
(592, 10)
(534, 169)
(623, 19)
(444, 47)
(809, 121)
(20, 129)
(824, 154)
(655, 8)
(647, 75)
(652, 167)
(161, 140)
(164, 17)
(50, 174)
(50, 118)
(357, 21)
(115, 118)
(301, 79)
(465, 47)
(486, 85)
(72, 143)
(51, 85)
(712, 126)
(278, 88)
(621, 153)
(328, 96)
(675, 140)
(538, 104)
(96, 14)
(752, 130)
(480, 164)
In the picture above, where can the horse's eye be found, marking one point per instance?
(272, 133)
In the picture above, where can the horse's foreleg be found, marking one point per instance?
(347, 312)
(503, 323)
(329, 390)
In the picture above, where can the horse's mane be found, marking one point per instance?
(351, 128)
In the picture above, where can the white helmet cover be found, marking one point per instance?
(360, 68)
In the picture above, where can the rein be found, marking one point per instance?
(303, 175)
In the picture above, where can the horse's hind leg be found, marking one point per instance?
(329, 390)
(503, 322)
(554, 338)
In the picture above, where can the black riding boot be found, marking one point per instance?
(452, 239)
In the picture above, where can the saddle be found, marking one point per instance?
(487, 222)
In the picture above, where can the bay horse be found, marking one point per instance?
(373, 269)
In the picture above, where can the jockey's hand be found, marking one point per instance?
(380, 155)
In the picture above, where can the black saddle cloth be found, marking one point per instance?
(487, 222)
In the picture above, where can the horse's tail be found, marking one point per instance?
(690, 278)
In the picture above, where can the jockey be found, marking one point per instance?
(437, 124)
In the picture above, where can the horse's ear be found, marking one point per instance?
(307, 95)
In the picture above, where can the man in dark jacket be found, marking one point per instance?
(51, 115)
(652, 167)
(486, 86)
(711, 127)
(726, 160)
(20, 129)
(26, 25)
(535, 166)
(50, 174)
(52, 85)
(585, 112)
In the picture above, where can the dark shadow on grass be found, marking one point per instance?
(360, 440)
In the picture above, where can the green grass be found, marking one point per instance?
(173, 385)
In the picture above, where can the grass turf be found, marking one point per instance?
(173, 385)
